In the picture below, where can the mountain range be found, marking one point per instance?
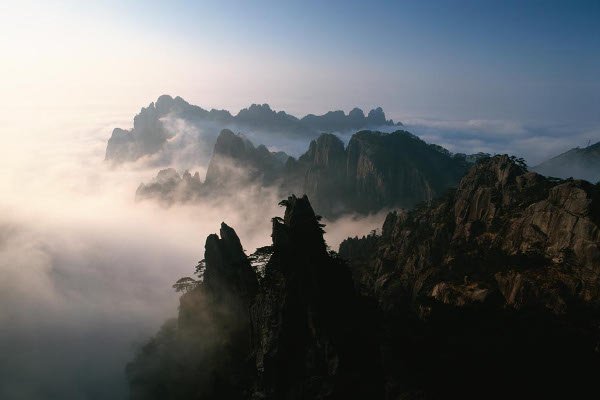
(150, 134)
(490, 291)
(374, 171)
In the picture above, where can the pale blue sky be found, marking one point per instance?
(532, 60)
(529, 65)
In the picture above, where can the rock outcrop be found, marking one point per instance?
(204, 352)
(397, 170)
(496, 285)
(578, 163)
(312, 335)
(489, 292)
(303, 332)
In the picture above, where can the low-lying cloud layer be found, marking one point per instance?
(534, 142)
(86, 271)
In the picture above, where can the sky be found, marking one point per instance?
(532, 61)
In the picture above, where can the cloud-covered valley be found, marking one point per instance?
(86, 271)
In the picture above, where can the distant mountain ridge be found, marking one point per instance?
(375, 171)
(579, 163)
(149, 134)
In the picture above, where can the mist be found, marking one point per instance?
(87, 272)
(534, 141)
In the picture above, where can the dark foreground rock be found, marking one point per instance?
(204, 353)
(313, 336)
(493, 291)
(490, 292)
(303, 333)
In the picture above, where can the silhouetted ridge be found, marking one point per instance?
(375, 171)
(311, 340)
(204, 353)
(150, 135)
(227, 267)
(302, 333)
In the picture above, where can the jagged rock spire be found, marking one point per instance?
(227, 267)
(307, 338)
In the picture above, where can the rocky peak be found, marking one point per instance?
(376, 117)
(398, 169)
(356, 115)
(167, 175)
(326, 150)
(236, 161)
(227, 267)
(377, 170)
(508, 266)
(256, 111)
(492, 188)
(504, 220)
(498, 171)
(307, 338)
(164, 104)
(300, 224)
(232, 144)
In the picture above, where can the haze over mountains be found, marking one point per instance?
(486, 272)
(374, 171)
(157, 128)
(582, 163)
(89, 272)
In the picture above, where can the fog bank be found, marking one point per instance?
(86, 271)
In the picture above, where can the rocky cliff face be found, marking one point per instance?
(512, 222)
(489, 292)
(236, 161)
(150, 135)
(375, 171)
(498, 280)
(321, 174)
(579, 163)
(397, 170)
(235, 164)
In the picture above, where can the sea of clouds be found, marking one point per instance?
(85, 271)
